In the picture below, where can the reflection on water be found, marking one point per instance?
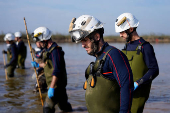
(16, 94)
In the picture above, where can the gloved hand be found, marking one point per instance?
(50, 92)
(4, 52)
(6, 66)
(34, 64)
(135, 86)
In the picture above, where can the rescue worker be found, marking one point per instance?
(55, 72)
(22, 50)
(38, 52)
(109, 80)
(12, 54)
(141, 57)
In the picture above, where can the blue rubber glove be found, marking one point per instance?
(34, 64)
(50, 92)
(135, 86)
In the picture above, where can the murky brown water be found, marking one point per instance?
(16, 94)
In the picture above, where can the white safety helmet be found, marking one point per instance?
(84, 25)
(18, 34)
(125, 21)
(9, 37)
(41, 34)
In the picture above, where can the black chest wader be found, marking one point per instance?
(22, 56)
(11, 68)
(60, 95)
(102, 95)
(139, 69)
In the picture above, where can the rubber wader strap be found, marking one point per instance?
(106, 54)
(52, 49)
(138, 49)
(93, 81)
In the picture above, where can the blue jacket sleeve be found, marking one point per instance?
(151, 62)
(55, 58)
(123, 74)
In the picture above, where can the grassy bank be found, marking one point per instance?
(66, 38)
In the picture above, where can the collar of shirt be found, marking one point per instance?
(102, 49)
(139, 41)
(53, 45)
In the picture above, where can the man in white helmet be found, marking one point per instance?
(54, 70)
(38, 52)
(109, 80)
(22, 50)
(141, 57)
(11, 54)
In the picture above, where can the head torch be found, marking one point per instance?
(35, 37)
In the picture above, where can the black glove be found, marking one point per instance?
(6, 66)
(4, 52)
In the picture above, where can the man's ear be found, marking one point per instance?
(131, 29)
(97, 36)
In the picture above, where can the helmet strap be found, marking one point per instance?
(129, 35)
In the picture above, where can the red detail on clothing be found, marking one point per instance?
(129, 79)
(107, 72)
(38, 55)
(115, 68)
(140, 43)
(116, 74)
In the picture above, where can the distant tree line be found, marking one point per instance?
(66, 38)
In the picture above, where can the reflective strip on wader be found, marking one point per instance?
(139, 69)
(105, 96)
(48, 70)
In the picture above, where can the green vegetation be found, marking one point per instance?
(66, 38)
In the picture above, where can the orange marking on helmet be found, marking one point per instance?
(128, 22)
